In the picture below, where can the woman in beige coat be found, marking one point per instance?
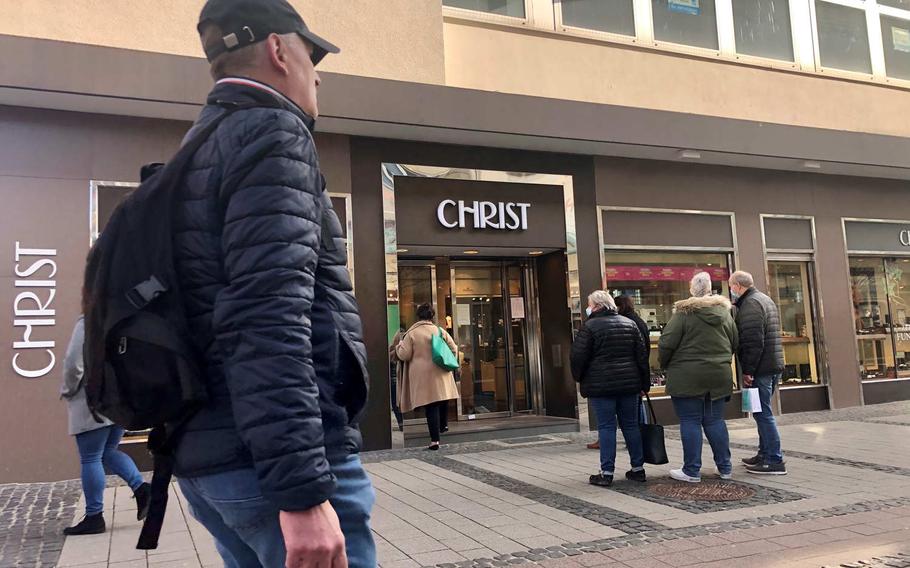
(422, 383)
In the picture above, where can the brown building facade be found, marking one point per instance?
(500, 196)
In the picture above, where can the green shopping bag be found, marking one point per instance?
(442, 354)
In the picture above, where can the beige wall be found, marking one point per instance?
(499, 58)
(394, 39)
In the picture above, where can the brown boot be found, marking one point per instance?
(594, 446)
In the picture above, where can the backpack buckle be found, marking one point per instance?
(145, 292)
(121, 346)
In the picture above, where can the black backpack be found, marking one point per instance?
(141, 369)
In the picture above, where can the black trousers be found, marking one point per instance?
(437, 418)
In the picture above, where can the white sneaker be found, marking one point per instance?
(724, 475)
(680, 475)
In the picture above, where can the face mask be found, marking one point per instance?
(734, 295)
(588, 311)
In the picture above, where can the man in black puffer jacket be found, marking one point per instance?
(610, 361)
(761, 360)
(270, 465)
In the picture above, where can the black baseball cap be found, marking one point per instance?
(245, 22)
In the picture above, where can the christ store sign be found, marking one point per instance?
(484, 215)
(456, 213)
(33, 313)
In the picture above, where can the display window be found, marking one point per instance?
(657, 280)
(790, 286)
(880, 288)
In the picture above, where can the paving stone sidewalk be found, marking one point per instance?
(845, 502)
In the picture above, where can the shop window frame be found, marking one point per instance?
(95, 187)
(732, 253)
(879, 255)
(804, 255)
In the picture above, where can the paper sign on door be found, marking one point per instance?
(517, 305)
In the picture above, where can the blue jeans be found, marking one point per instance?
(695, 415)
(768, 436)
(245, 526)
(606, 409)
(99, 449)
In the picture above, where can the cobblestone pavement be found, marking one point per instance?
(845, 502)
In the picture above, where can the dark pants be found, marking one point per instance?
(393, 395)
(437, 418)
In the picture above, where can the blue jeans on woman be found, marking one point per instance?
(695, 415)
(99, 449)
(606, 409)
(245, 525)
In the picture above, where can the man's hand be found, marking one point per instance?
(747, 380)
(313, 538)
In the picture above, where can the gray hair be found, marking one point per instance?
(700, 285)
(602, 299)
(742, 278)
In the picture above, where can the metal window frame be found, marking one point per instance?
(732, 253)
(816, 307)
(601, 209)
(875, 254)
(348, 231)
(94, 188)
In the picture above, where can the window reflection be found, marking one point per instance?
(881, 312)
(612, 16)
(762, 28)
(790, 290)
(655, 281)
(686, 22)
(843, 40)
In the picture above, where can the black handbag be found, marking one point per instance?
(652, 438)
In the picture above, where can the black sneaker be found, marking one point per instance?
(768, 469)
(757, 459)
(639, 475)
(143, 496)
(91, 524)
(601, 480)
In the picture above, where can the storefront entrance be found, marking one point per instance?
(490, 310)
(492, 252)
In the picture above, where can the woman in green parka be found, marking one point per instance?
(696, 350)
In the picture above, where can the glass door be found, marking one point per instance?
(490, 314)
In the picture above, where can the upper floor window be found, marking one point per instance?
(511, 8)
(843, 38)
(868, 38)
(762, 28)
(686, 22)
(611, 16)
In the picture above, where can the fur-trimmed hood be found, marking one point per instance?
(696, 303)
(710, 309)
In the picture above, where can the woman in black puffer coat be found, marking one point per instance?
(610, 361)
